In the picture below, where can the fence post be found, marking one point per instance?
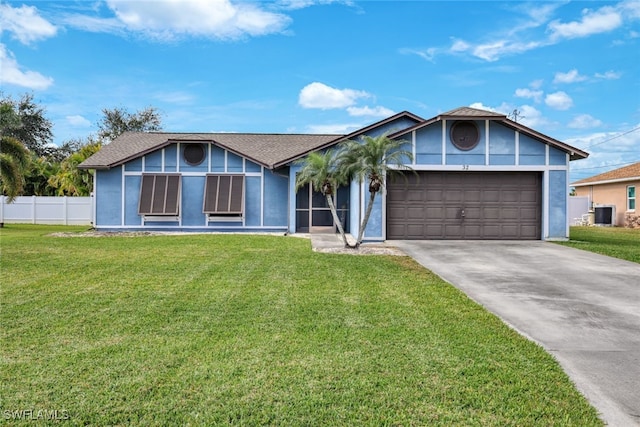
(1, 211)
(66, 211)
(33, 210)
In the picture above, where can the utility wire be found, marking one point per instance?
(612, 138)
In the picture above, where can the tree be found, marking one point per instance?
(71, 181)
(13, 160)
(373, 159)
(37, 175)
(118, 120)
(25, 121)
(322, 171)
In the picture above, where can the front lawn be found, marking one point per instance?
(623, 243)
(256, 330)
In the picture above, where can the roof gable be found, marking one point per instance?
(468, 113)
(626, 173)
(268, 150)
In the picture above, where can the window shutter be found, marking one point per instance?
(224, 194)
(159, 194)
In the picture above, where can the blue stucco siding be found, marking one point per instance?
(276, 198)
(253, 200)
(475, 156)
(502, 145)
(558, 188)
(134, 165)
(429, 145)
(252, 167)
(217, 159)
(109, 197)
(171, 158)
(532, 151)
(234, 163)
(558, 157)
(153, 161)
(192, 201)
(132, 199)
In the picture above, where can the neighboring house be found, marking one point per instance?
(614, 188)
(479, 176)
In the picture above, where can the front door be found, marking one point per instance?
(313, 214)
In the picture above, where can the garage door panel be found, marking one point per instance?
(497, 205)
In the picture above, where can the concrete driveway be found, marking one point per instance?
(583, 308)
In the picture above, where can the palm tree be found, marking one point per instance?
(14, 158)
(373, 159)
(322, 171)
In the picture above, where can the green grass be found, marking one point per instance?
(257, 330)
(623, 243)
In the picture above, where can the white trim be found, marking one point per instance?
(413, 147)
(209, 157)
(143, 163)
(483, 168)
(566, 205)
(486, 142)
(137, 173)
(178, 157)
(94, 200)
(194, 227)
(545, 205)
(122, 197)
(225, 160)
(517, 148)
(262, 185)
(546, 155)
(162, 160)
(444, 142)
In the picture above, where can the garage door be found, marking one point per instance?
(465, 205)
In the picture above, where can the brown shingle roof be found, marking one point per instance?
(269, 150)
(627, 173)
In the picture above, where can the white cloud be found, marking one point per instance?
(172, 19)
(428, 54)
(609, 75)
(536, 95)
(584, 121)
(13, 75)
(459, 46)
(319, 95)
(602, 20)
(536, 84)
(368, 111)
(78, 121)
(495, 50)
(570, 77)
(341, 129)
(559, 101)
(25, 23)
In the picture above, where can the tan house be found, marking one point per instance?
(617, 188)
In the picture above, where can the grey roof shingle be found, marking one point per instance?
(269, 150)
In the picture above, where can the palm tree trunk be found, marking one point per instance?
(337, 221)
(365, 220)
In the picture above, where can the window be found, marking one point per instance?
(465, 135)
(224, 196)
(160, 194)
(194, 154)
(631, 198)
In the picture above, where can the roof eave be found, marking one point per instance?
(605, 181)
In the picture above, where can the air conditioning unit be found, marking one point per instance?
(605, 215)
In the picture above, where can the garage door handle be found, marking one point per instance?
(462, 212)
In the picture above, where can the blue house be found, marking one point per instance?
(478, 175)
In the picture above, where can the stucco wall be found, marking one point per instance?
(118, 192)
(610, 194)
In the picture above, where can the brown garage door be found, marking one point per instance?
(465, 205)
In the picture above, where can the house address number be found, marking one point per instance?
(465, 167)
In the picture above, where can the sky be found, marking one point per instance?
(570, 70)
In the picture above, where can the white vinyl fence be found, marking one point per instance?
(47, 210)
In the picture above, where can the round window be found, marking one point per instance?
(194, 154)
(465, 135)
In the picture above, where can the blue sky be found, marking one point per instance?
(571, 69)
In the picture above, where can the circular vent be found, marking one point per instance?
(194, 154)
(465, 135)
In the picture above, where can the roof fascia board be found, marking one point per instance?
(607, 181)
